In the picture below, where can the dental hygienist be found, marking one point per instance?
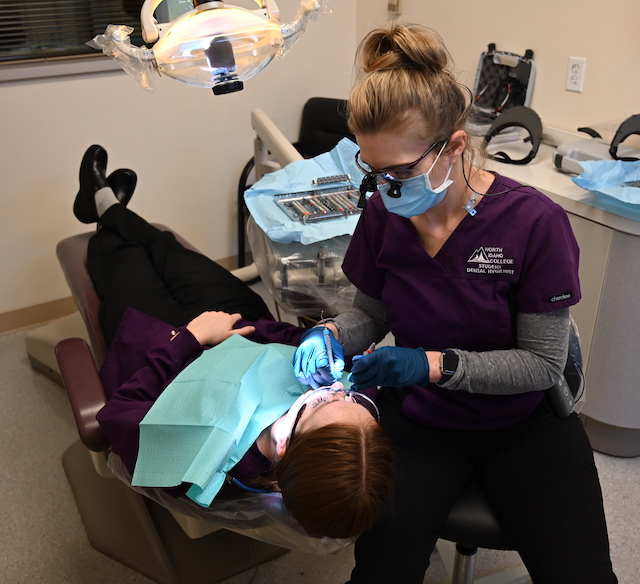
(474, 275)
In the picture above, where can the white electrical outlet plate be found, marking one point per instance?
(575, 74)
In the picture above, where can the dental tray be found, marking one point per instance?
(320, 204)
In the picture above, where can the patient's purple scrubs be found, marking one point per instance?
(517, 253)
(144, 356)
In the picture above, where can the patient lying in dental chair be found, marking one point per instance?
(173, 320)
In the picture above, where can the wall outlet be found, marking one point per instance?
(575, 74)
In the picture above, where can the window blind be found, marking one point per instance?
(45, 29)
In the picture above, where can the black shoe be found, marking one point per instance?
(93, 177)
(123, 183)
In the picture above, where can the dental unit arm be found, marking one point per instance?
(214, 45)
(152, 30)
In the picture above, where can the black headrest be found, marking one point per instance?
(629, 126)
(324, 124)
(523, 117)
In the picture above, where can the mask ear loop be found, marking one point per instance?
(437, 157)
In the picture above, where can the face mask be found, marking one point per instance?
(416, 194)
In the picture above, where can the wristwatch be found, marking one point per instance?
(448, 364)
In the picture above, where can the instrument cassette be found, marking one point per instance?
(320, 204)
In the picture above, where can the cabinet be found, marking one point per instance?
(608, 316)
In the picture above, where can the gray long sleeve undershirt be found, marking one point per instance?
(536, 363)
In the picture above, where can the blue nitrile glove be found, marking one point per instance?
(390, 367)
(311, 361)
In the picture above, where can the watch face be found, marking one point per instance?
(449, 363)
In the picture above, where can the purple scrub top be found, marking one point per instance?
(144, 356)
(518, 253)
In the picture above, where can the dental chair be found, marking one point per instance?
(170, 540)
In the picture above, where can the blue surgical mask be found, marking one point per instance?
(416, 194)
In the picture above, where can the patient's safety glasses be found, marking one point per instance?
(325, 395)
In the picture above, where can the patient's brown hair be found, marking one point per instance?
(335, 479)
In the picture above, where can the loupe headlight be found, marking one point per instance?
(394, 189)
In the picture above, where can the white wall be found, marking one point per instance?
(187, 146)
(605, 33)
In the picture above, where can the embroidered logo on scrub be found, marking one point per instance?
(490, 260)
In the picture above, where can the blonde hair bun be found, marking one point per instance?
(403, 46)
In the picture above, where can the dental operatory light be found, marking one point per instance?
(212, 45)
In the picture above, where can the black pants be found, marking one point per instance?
(539, 476)
(134, 264)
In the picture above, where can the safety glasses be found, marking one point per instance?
(369, 183)
(326, 395)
